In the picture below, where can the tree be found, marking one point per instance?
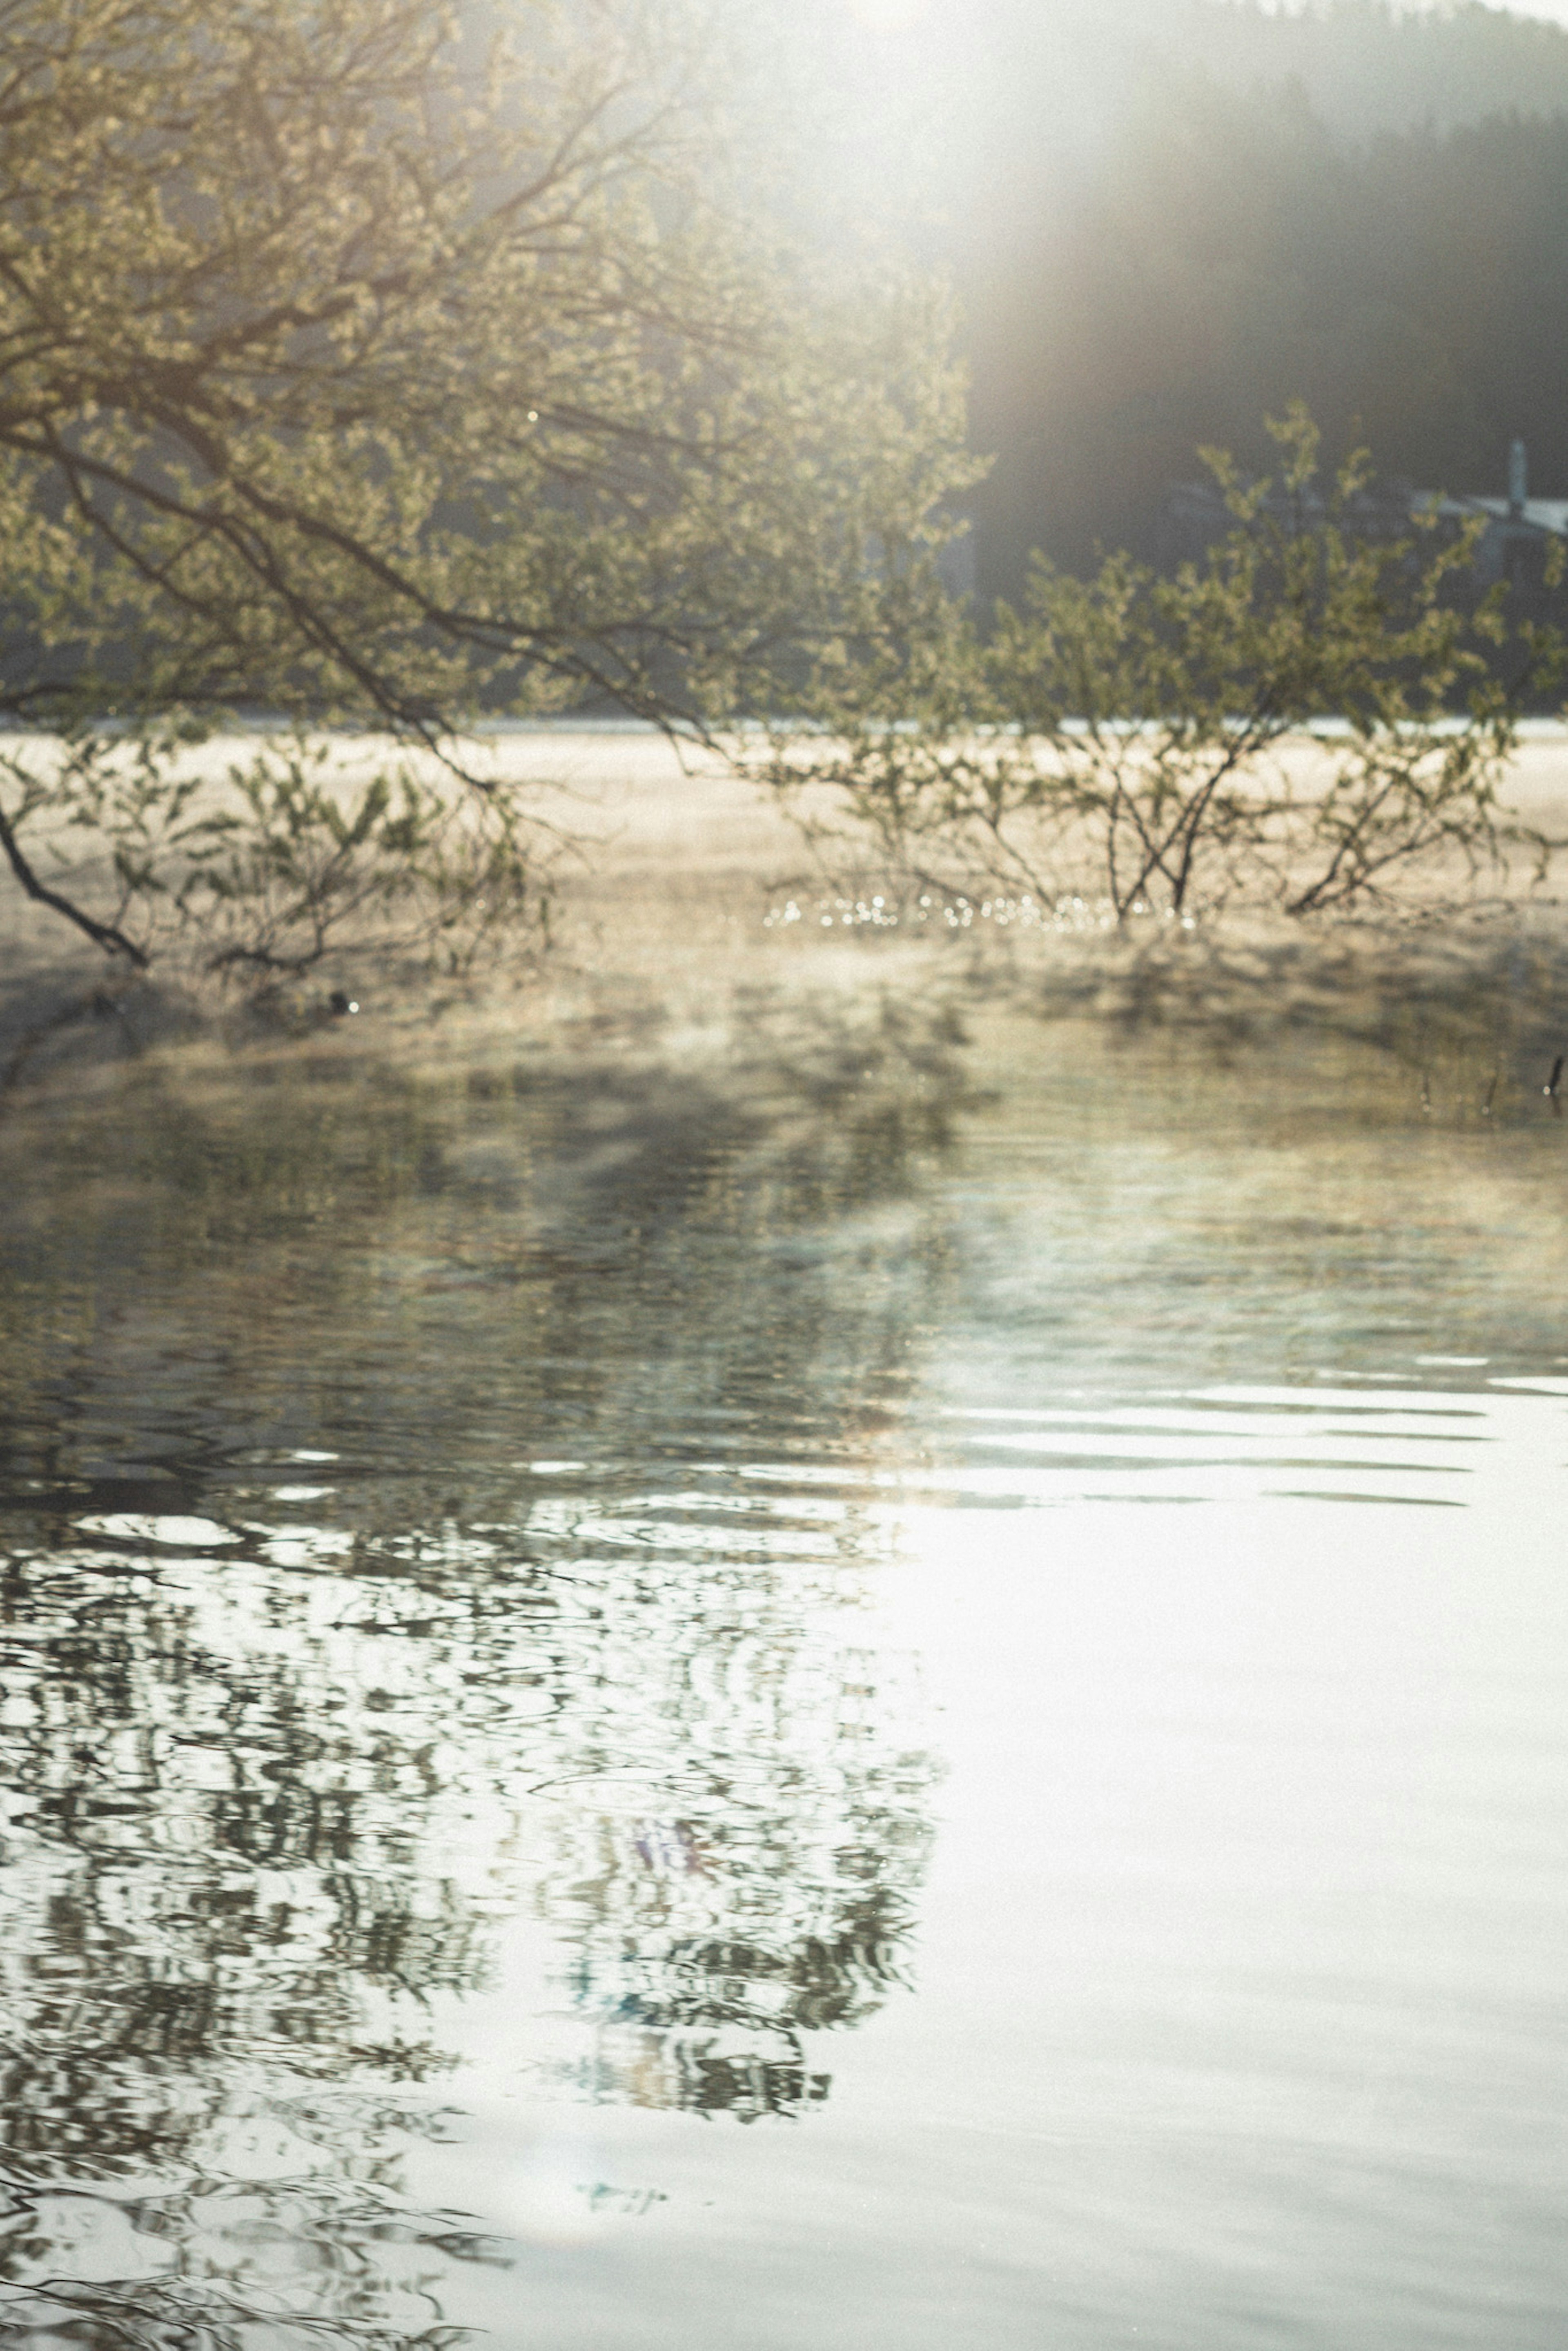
(365, 361)
(1138, 740)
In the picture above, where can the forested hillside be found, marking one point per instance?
(1365, 66)
(1164, 219)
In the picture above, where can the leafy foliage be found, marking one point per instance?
(1138, 739)
(361, 360)
(269, 864)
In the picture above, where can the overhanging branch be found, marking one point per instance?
(103, 934)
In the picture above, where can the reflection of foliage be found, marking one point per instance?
(307, 1678)
(226, 1871)
(716, 2026)
(864, 1093)
(209, 2264)
(236, 1856)
(778, 1900)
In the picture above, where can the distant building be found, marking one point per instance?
(1196, 517)
(1516, 532)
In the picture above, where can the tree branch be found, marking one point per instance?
(103, 934)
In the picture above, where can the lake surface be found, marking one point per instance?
(918, 1699)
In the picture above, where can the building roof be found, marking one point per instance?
(1534, 514)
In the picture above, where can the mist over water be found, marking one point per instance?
(908, 1687)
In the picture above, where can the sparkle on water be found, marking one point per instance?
(912, 1697)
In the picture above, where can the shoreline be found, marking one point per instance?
(670, 944)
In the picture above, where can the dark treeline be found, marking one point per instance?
(1179, 218)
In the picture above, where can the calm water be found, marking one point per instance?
(918, 1699)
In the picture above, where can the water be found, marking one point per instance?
(915, 1695)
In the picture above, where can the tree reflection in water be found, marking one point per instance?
(285, 1740)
